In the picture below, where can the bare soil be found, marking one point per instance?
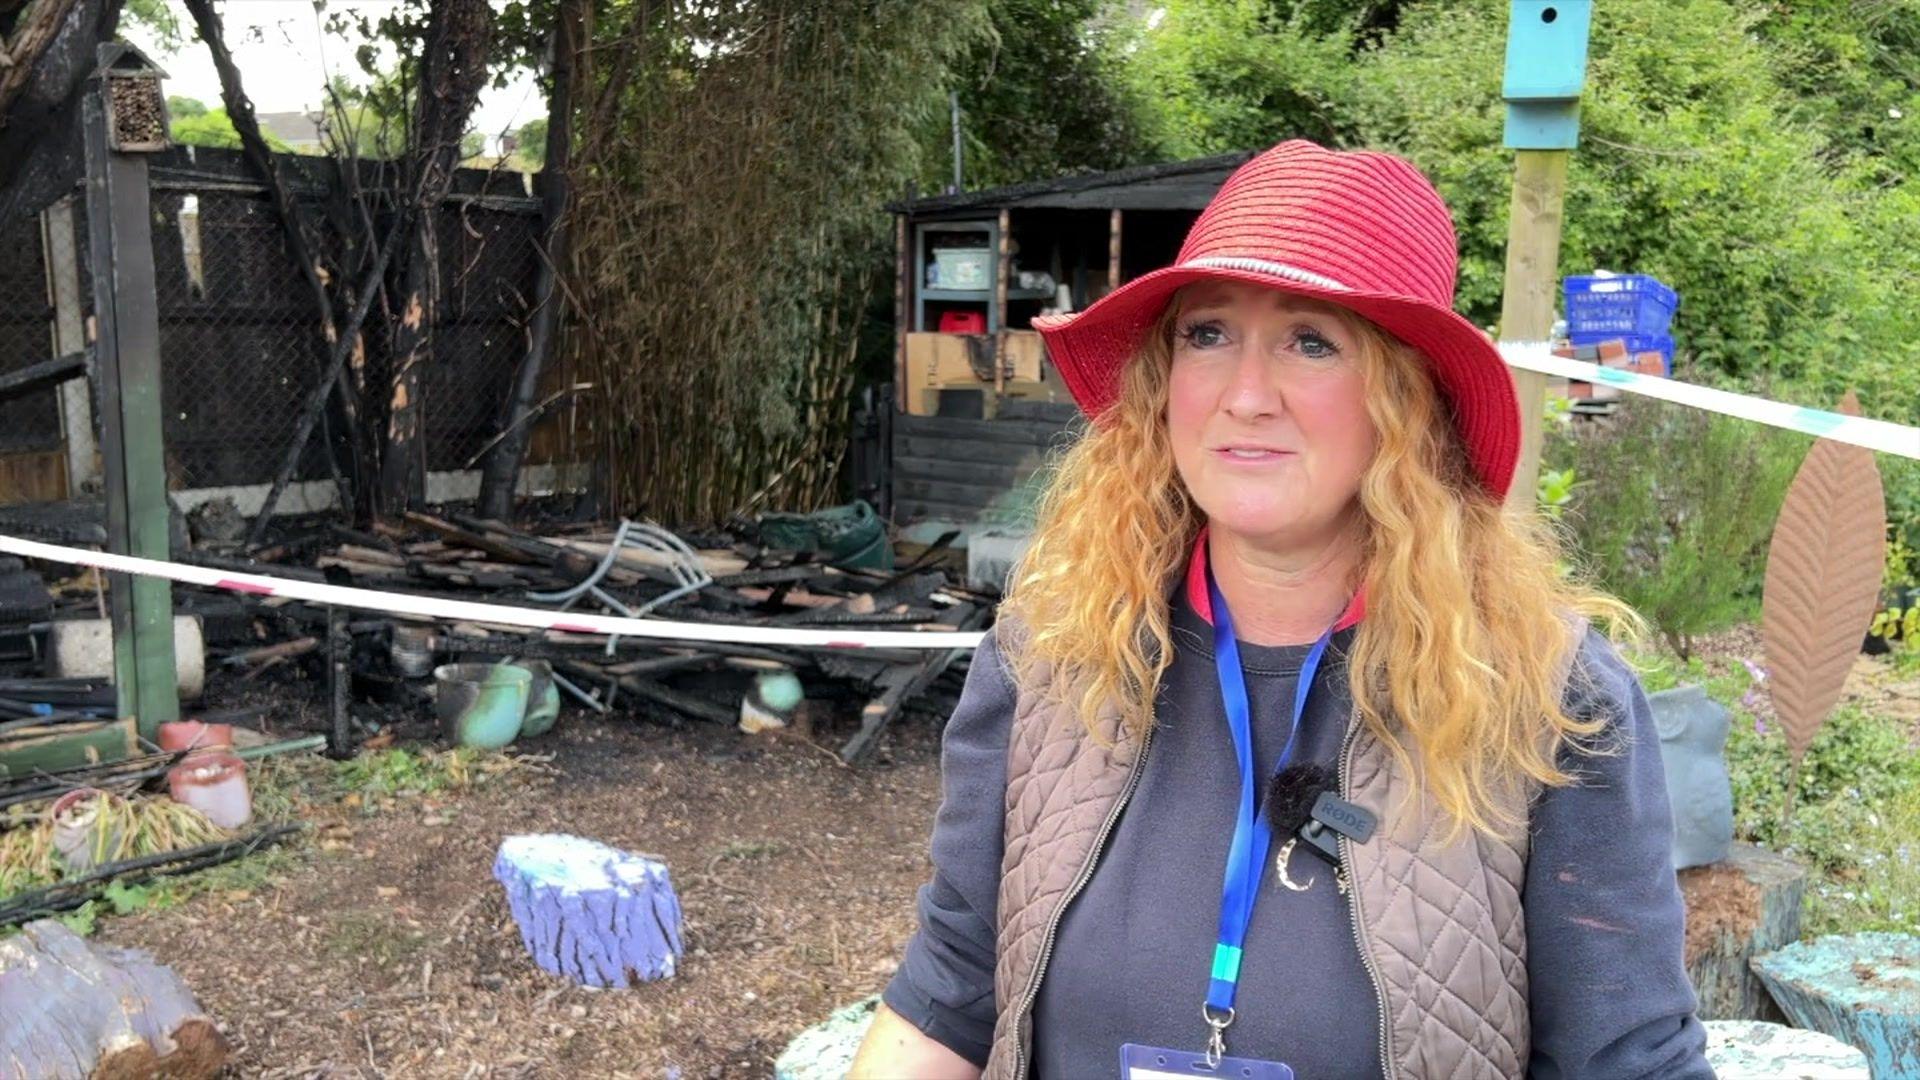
(384, 947)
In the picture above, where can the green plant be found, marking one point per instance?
(751, 849)
(1555, 491)
(379, 776)
(372, 936)
(1903, 562)
(1858, 761)
(83, 920)
(400, 771)
(1882, 891)
(1673, 511)
(1856, 819)
(1896, 623)
(127, 899)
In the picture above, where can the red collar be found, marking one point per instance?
(1203, 604)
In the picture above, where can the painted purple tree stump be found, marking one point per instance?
(589, 912)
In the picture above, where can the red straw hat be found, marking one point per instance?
(1359, 229)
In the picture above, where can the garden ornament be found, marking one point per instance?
(1823, 582)
(1693, 739)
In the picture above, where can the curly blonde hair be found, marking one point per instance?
(1458, 667)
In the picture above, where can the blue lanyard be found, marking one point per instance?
(1252, 834)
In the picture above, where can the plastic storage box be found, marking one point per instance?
(1634, 308)
(1605, 308)
(962, 268)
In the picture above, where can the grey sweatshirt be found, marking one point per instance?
(1609, 995)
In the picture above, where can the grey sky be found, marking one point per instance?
(285, 60)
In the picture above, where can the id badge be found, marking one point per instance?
(1152, 1063)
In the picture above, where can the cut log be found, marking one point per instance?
(1736, 909)
(1754, 1050)
(825, 1051)
(66, 746)
(589, 912)
(1863, 989)
(80, 1010)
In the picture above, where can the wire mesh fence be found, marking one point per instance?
(489, 258)
(241, 336)
(31, 423)
(240, 339)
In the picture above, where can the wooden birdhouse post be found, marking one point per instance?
(125, 118)
(1545, 73)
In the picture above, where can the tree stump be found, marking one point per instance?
(1736, 909)
(1861, 988)
(78, 1010)
(589, 912)
(1755, 1050)
(825, 1051)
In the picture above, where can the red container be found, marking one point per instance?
(213, 782)
(963, 322)
(181, 735)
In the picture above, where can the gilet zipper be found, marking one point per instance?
(1020, 1064)
(1388, 1069)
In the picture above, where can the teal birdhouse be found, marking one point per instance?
(1546, 70)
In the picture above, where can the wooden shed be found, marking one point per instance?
(976, 402)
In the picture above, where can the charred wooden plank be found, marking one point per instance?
(42, 376)
(902, 683)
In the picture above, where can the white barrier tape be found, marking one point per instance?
(1881, 435)
(474, 611)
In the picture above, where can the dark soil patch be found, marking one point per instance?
(387, 949)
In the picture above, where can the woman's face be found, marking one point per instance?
(1266, 411)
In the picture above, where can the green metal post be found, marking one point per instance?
(127, 366)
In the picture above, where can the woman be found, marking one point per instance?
(1290, 746)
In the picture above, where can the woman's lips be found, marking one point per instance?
(1251, 455)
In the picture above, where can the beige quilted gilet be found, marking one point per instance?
(1443, 932)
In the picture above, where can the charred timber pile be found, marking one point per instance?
(850, 695)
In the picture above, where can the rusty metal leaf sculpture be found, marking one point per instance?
(1823, 582)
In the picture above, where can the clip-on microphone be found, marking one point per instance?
(1304, 804)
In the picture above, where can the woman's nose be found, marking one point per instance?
(1251, 391)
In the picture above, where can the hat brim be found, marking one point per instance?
(1091, 348)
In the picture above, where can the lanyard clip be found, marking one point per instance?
(1217, 1037)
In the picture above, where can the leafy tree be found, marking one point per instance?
(181, 108)
(1852, 70)
(370, 121)
(212, 127)
(533, 142)
(157, 17)
(1039, 95)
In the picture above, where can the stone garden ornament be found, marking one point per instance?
(1693, 739)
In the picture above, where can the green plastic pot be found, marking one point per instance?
(481, 705)
(543, 700)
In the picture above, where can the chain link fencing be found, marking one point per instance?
(31, 464)
(240, 333)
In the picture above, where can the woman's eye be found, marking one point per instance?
(1203, 335)
(1315, 346)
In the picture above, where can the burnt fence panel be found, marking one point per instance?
(31, 423)
(240, 339)
(240, 336)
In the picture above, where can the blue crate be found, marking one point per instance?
(1636, 344)
(1618, 306)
